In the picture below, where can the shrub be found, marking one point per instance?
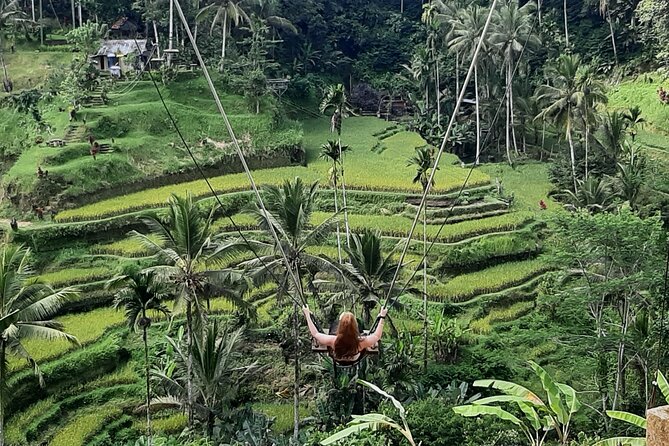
(433, 422)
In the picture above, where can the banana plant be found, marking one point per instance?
(374, 421)
(635, 420)
(539, 418)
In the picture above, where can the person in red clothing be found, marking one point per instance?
(542, 205)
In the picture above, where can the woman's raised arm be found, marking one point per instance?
(321, 338)
(373, 338)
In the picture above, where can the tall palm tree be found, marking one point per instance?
(467, 31)
(227, 13)
(423, 160)
(594, 93)
(566, 23)
(421, 72)
(335, 98)
(605, 11)
(370, 271)
(185, 245)
(433, 23)
(331, 152)
(139, 293)
(289, 208)
(564, 99)
(26, 306)
(513, 32)
(217, 373)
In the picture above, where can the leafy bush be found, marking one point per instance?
(433, 422)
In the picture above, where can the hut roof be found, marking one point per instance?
(121, 47)
(124, 24)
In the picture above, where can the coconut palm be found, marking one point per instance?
(423, 160)
(185, 245)
(217, 373)
(594, 93)
(228, 13)
(288, 211)
(433, 23)
(26, 306)
(370, 272)
(139, 294)
(467, 31)
(564, 99)
(335, 98)
(331, 152)
(512, 34)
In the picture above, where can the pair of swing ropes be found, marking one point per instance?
(389, 302)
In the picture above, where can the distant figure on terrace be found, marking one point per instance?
(663, 95)
(95, 149)
(542, 205)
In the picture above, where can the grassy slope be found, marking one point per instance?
(364, 169)
(30, 67)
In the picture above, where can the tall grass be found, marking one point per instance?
(87, 327)
(17, 425)
(508, 314)
(73, 276)
(490, 280)
(283, 414)
(84, 425)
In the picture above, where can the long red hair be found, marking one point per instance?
(347, 343)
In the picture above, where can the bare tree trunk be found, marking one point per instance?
(41, 27)
(425, 331)
(508, 122)
(147, 370)
(32, 6)
(225, 33)
(457, 72)
(566, 24)
(587, 145)
(296, 386)
(343, 190)
(189, 364)
(336, 207)
(573, 158)
(512, 109)
(539, 2)
(170, 35)
(619, 389)
(402, 6)
(155, 33)
(478, 116)
(3, 380)
(74, 14)
(613, 37)
(437, 89)
(81, 18)
(197, 25)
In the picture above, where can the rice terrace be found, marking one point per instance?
(334, 222)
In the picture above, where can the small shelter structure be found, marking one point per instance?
(119, 56)
(123, 28)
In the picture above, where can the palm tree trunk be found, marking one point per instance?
(512, 111)
(539, 2)
(3, 381)
(32, 7)
(566, 24)
(296, 385)
(587, 145)
(613, 37)
(147, 370)
(573, 157)
(343, 191)
(41, 24)
(155, 34)
(457, 72)
(81, 18)
(508, 133)
(425, 334)
(336, 207)
(74, 14)
(189, 364)
(478, 116)
(437, 89)
(225, 33)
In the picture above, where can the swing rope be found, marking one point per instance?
(261, 204)
(390, 301)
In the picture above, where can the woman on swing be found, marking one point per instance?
(347, 344)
